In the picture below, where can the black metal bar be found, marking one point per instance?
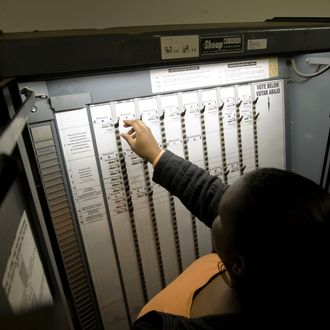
(8, 173)
(299, 19)
(325, 161)
(9, 137)
(327, 183)
(27, 55)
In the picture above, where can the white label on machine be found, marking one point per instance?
(24, 281)
(254, 44)
(179, 46)
(207, 75)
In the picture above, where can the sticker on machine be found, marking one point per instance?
(221, 44)
(179, 46)
(208, 75)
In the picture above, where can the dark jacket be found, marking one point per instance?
(199, 192)
(156, 320)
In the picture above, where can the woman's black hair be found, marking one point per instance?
(282, 231)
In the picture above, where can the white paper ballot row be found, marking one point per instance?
(137, 236)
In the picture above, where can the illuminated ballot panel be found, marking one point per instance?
(137, 236)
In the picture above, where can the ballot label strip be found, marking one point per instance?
(84, 179)
(227, 130)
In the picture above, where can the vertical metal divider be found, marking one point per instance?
(325, 162)
(204, 142)
(255, 116)
(239, 118)
(130, 210)
(225, 171)
(186, 156)
(151, 205)
(154, 222)
(171, 198)
(203, 133)
(108, 215)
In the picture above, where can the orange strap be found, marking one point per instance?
(177, 297)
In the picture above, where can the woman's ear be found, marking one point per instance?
(238, 266)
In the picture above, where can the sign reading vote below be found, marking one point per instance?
(268, 88)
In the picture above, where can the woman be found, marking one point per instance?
(271, 231)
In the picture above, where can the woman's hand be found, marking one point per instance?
(141, 140)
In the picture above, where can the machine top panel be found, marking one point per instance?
(50, 54)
